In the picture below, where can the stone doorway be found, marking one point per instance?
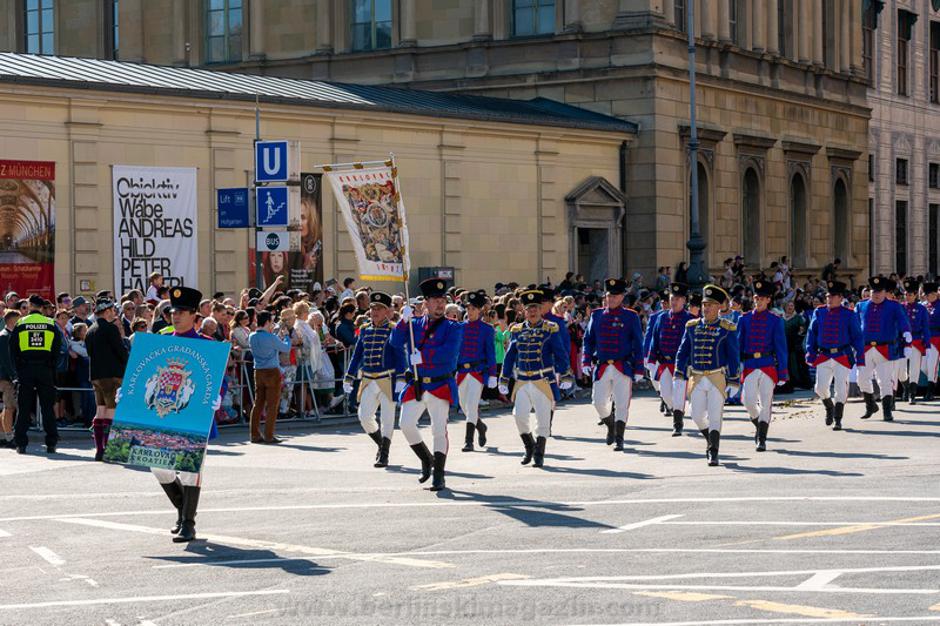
(595, 229)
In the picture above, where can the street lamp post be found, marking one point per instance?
(697, 275)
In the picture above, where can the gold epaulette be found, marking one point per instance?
(515, 327)
(692, 322)
(728, 325)
(551, 326)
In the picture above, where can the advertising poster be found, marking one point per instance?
(165, 414)
(154, 226)
(27, 228)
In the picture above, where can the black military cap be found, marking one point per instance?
(615, 286)
(695, 299)
(889, 285)
(433, 288)
(548, 292)
(927, 287)
(679, 289)
(836, 288)
(477, 299)
(911, 284)
(714, 293)
(878, 283)
(381, 298)
(532, 297)
(184, 299)
(764, 287)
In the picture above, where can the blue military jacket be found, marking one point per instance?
(883, 325)
(708, 346)
(665, 336)
(562, 332)
(648, 335)
(535, 353)
(374, 353)
(835, 334)
(763, 343)
(919, 320)
(477, 351)
(438, 341)
(933, 315)
(613, 337)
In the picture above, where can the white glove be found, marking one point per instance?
(638, 378)
(416, 358)
(347, 387)
(407, 313)
(565, 385)
(491, 382)
(587, 370)
(732, 389)
(781, 383)
(908, 338)
(117, 395)
(217, 404)
(399, 387)
(503, 389)
(908, 352)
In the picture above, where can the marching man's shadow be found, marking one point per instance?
(205, 553)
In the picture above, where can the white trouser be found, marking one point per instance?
(411, 412)
(613, 384)
(933, 357)
(529, 397)
(911, 366)
(832, 371)
(187, 479)
(757, 394)
(882, 368)
(469, 393)
(672, 391)
(651, 370)
(371, 399)
(706, 403)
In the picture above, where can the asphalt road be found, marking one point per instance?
(824, 527)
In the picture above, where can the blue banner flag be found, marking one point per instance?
(165, 413)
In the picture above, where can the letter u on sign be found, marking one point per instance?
(271, 159)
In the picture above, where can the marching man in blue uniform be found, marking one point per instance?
(535, 358)
(933, 350)
(919, 319)
(649, 363)
(709, 359)
(764, 357)
(380, 368)
(436, 345)
(884, 326)
(613, 353)
(667, 331)
(476, 367)
(833, 347)
(182, 488)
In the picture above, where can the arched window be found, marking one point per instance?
(798, 238)
(840, 215)
(750, 212)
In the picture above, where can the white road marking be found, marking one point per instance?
(661, 551)
(468, 582)
(273, 546)
(252, 614)
(509, 503)
(51, 557)
(635, 525)
(738, 522)
(280, 559)
(135, 599)
(4, 533)
(819, 581)
(759, 622)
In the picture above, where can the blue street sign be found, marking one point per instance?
(272, 206)
(271, 161)
(233, 207)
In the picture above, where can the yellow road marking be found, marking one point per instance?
(682, 596)
(858, 528)
(935, 607)
(798, 609)
(469, 582)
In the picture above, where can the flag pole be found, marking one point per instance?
(405, 267)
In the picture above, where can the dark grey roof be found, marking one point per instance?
(81, 73)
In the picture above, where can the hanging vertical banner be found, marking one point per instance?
(306, 262)
(27, 228)
(154, 226)
(372, 206)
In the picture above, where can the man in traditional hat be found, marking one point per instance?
(884, 324)
(834, 346)
(919, 319)
(932, 298)
(476, 367)
(432, 343)
(667, 331)
(764, 359)
(381, 368)
(613, 353)
(709, 359)
(535, 358)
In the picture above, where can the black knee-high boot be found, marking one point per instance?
(468, 437)
(190, 504)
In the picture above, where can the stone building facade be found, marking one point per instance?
(781, 92)
(904, 187)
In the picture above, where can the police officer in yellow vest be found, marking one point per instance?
(34, 346)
